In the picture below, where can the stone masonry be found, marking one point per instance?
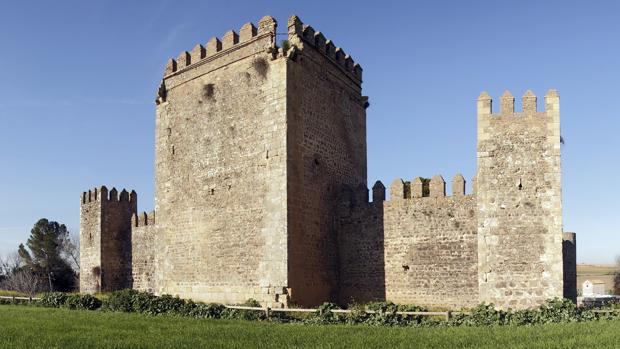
(261, 192)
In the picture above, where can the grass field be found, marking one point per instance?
(32, 327)
(592, 272)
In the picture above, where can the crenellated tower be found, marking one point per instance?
(253, 142)
(105, 239)
(519, 199)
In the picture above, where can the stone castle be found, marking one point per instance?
(261, 192)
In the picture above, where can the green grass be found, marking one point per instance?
(33, 327)
(7, 293)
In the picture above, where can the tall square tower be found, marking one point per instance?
(253, 141)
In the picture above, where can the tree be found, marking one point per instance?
(43, 256)
(70, 251)
(9, 264)
(24, 281)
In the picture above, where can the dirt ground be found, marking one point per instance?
(591, 272)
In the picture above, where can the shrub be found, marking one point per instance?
(558, 310)
(120, 301)
(384, 313)
(53, 299)
(201, 310)
(82, 301)
(241, 314)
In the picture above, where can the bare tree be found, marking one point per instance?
(70, 250)
(9, 264)
(24, 281)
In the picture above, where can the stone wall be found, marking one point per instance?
(326, 148)
(418, 248)
(519, 202)
(143, 242)
(221, 175)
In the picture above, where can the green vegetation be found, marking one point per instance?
(373, 314)
(286, 45)
(35, 327)
(49, 261)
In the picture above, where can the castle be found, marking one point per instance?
(261, 192)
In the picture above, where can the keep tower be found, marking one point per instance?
(254, 138)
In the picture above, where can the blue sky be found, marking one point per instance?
(79, 80)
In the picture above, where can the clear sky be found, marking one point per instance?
(79, 80)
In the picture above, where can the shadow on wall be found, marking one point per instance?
(569, 256)
(361, 247)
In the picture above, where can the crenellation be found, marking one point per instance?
(267, 25)
(378, 192)
(529, 107)
(183, 60)
(298, 31)
(528, 102)
(485, 104)
(294, 25)
(308, 33)
(507, 103)
(198, 52)
(229, 39)
(348, 63)
(397, 189)
(214, 45)
(357, 69)
(421, 187)
(124, 196)
(339, 56)
(330, 49)
(320, 41)
(247, 32)
(417, 187)
(437, 187)
(458, 185)
(171, 67)
(113, 195)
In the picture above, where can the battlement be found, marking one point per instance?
(421, 187)
(300, 32)
(101, 194)
(143, 219)
(507, 104)
(217, 47)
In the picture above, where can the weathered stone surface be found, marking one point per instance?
(519, 201)
(261, 192)
(417, 251)
(105, 239)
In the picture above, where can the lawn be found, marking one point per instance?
(32, 327)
